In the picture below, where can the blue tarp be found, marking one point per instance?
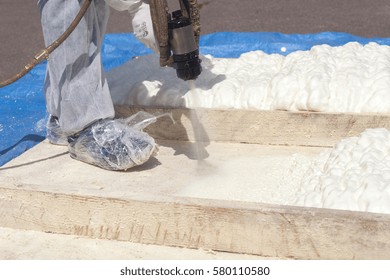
(22, 104)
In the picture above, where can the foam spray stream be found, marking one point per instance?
(195, 94)
(201, 139)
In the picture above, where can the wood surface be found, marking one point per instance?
(45, 190)
(250, 228)
(258, 127)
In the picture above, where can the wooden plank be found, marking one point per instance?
(18, 244)
(258, 127)
(251, 228)
(46, 190)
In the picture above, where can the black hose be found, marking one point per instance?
(44, 54)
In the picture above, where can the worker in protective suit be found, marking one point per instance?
(76, 91)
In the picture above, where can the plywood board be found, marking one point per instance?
(45, 190)
(259, 127)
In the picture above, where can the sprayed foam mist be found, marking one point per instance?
(201, 139)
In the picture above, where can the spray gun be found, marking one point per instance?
(178, 37)
(177, 34)
(184, 48)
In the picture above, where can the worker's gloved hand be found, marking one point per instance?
(141, 20)
(143, 27)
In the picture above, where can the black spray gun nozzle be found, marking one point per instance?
(184, 48)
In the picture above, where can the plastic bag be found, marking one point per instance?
(117, 144)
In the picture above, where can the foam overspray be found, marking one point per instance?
(200, 136)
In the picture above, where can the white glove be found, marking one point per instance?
(143, 27)
(141, 20)
(123, 5)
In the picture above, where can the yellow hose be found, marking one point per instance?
(44, 54)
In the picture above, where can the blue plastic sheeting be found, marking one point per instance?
(22, 113)
(22, 104)
(228, 44)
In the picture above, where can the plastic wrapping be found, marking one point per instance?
(117, 144)
(54, 133)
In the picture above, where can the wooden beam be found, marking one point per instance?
(250, 228)
(45, 190)
(258, 127)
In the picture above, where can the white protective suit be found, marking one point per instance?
(76, 89)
